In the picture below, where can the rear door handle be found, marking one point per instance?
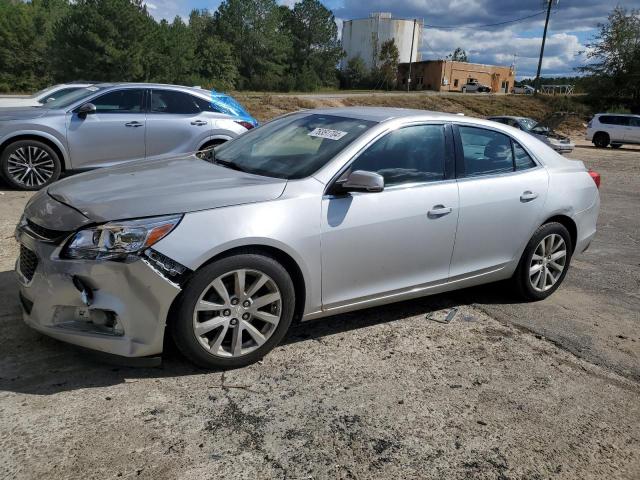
(133, 124)
(199, 123)
(527, 196)
(439, 211)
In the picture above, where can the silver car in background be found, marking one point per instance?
(560, 143)
(312, 214)
(106, 124)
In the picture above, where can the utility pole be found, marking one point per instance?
(544, 38)
(413, 36)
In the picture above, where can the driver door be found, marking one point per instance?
(389, 242)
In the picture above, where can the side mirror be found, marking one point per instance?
(363, 181)
(86, 109)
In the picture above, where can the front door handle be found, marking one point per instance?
(527, 196)
(133, 124)
(439, 211)
(199, 123)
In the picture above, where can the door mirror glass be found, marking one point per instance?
(86, 109)
(363, 181)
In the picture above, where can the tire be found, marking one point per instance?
(616, 145)
(216, 348)
(18, 160)
(524, 280)
(601, 139)
(205, 151)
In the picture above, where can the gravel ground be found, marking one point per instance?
(507, 390)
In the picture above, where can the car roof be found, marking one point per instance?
(381, 114)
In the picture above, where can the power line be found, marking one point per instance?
(490, 24)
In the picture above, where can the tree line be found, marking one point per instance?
(244, 44)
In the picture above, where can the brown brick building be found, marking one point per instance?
(450, 76)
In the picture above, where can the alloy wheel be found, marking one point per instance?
(30, 166)
(548, 262)
(237, 313)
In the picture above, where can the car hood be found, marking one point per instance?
(161, 187)
(22, 113)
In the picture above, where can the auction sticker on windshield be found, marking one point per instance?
(327, 133)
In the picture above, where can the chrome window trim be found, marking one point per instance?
(381, 134)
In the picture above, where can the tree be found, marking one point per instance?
(388, 57)
(316, 49)
(459, 55)
(356, 73)
(259, 40)
(615, 59)
(102, 40)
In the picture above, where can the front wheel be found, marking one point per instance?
(29, 165)
(544, 263)
(234, 311)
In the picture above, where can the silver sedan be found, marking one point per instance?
(315, 213)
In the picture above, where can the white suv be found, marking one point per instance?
(613, 129)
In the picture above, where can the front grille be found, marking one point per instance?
(28, 263)
(46, 233)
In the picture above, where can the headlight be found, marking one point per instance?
(118, 240)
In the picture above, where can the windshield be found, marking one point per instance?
(528, 123)
(42, 92)
(71, 98)
(292, 147)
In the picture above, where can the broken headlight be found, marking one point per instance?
(118, 240)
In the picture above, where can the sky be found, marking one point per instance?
(572, 25)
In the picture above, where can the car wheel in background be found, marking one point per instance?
(601, 139)
(234, 311)
(544, 263)
(616, 145)
(29, 165)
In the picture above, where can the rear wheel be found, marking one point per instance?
(544, 263)
(601, 139)
(29, 165)
(234, 311)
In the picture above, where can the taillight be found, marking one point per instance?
(246, 125)
(595, 176)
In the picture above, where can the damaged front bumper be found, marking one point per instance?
(118, 308)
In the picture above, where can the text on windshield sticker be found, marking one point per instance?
(327, 133)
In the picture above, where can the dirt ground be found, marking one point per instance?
(506, 390)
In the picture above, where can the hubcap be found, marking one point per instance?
(237, 313)
(548, 262)
(30, 166)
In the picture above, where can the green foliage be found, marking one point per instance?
(614, 71)
(388, 66)
(459, 55)
(355, 74)
(245, 44)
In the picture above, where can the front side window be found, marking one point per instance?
(170, 101)
(411, 154)
(120, 101)
(634, 121)
(291, 147)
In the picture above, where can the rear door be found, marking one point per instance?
(502, 192)
(175, 123)
(113, 134)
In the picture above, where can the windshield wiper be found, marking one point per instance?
(228, 164)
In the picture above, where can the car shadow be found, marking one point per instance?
(32, 363)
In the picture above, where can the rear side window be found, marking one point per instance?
(614, 120)
(170, 101)
(413, 154)
(120, 101)
(487, 152)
